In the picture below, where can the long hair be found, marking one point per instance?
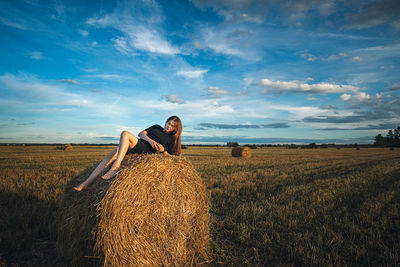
(176, 149)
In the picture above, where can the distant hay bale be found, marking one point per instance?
(68, 147)
(241, 151)
(154, 213)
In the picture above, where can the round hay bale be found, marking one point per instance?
(241, 151)
(154, 213)
(68, 147)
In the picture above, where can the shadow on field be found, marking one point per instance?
(270, 221)
(28, 231)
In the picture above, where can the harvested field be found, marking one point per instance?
(281, 206)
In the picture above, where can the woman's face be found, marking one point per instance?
(170, 126)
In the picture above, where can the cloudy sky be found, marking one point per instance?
(250, 71)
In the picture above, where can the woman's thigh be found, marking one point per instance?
(141, 147)
(132, 139)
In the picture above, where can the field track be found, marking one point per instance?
(279, 207)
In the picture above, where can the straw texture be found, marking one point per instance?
(154, 213)
(68, 147)
(241, 151)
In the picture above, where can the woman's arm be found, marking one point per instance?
(143, 135)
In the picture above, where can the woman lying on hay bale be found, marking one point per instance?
(154, 139)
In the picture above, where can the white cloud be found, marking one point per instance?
(256, 11)
(389, 49)
(345, 97)
(237, 11)
(28, 93)
(141, 31)
(357, 96)
(361, 96)
(330, 58)
(216, 42)
(379, 55)
(12, 24)
(216, 92)
(108, 76)
(297, 112)
(89, 70)
(36, 55)
(301, 87)
(356, 58)
(191, 73)
(373, 13)
(150, 40)
(308, 56)
(395, 86)
(120, 43)
(102, 21)
(59, 9)
(69, 81)
(326, 8)
(346, 36)
(173, 99)
(83, 32)
(230, 41)
(207, 108)
(31, 89)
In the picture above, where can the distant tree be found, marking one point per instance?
(312, 145)
(380, 140)
(232, 144)
(390, 138)
(396, 133)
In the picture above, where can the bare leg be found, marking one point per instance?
(126, 141)
(109, 158)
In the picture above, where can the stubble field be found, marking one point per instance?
(279, 207)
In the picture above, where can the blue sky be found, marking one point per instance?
(233, 70)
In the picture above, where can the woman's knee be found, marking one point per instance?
(125, 133)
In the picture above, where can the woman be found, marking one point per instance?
(154, 139)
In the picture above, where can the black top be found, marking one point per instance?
(156, 132)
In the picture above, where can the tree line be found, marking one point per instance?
(392, 139)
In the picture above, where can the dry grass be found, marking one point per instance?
(324, 207)
(154, 213)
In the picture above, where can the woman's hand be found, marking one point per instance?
(159, 147)
(156, 146)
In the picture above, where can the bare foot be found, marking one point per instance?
(110, 174)
(80, 187)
